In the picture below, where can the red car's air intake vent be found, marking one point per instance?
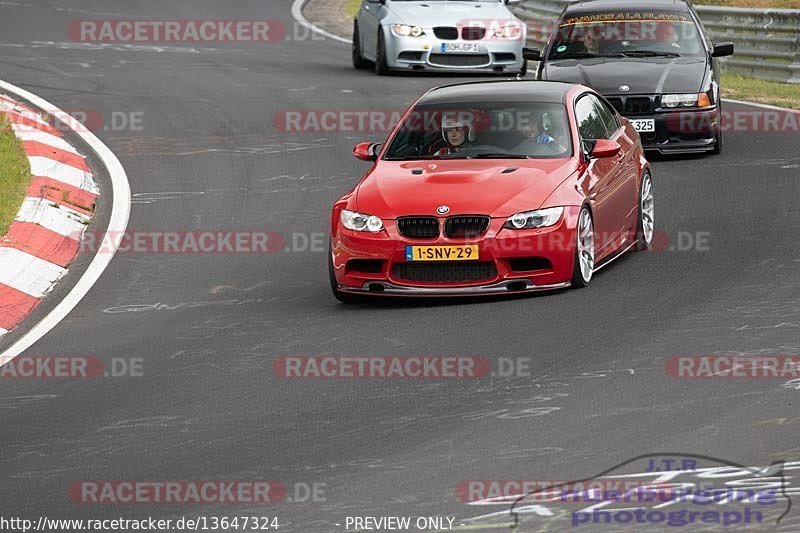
(418, 227)
(462, 227)
(445, 272)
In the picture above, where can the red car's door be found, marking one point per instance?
(626, 199)
(610, 183)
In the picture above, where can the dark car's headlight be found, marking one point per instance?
(361, 222)
(540, 218)
(405, 30)
(676, 101)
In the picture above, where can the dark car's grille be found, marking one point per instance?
(473, 34)
(466, 226)
(638, 105)
(459, 60)
(632, 105)
(618, 105)
(418, 227)
(450, 272)
(446, 33)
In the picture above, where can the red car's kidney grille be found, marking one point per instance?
(445, 272)
(418, 227)
(466, 226)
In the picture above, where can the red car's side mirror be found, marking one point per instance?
(605, 148)
(366, 151)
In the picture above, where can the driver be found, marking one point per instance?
(457, 133)
(665, 33)
(591, 39)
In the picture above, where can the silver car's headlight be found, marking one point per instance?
(508, 32)
(535, 219)
(361, 222)
(405, 30)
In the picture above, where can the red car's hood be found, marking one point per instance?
(488, 187)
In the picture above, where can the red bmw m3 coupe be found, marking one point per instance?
(493, 187)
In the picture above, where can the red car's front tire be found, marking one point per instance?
(583, 267)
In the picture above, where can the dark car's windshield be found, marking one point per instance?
(626, 34)
(482, 130)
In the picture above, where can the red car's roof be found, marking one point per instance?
(500, 91)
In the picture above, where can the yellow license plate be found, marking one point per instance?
(468, 252)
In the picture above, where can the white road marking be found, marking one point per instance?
(27, 273)
(118, 222)
(757, 104)
(59, 219)
(297, 13)
(29, 133)
(50, 168)
(3, 332)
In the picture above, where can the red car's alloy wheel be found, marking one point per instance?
(584, 251)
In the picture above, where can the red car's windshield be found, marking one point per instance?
(483, 130)
(631, 34)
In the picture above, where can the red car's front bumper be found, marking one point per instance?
(509, 261)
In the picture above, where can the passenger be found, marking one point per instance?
(536, 138)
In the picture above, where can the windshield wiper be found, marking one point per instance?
(649, 53)
(576, 55)
(426, 157)
(499, 156)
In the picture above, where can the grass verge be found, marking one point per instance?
(15, 174)
(351, 8)
(777, 4)
(755, 90)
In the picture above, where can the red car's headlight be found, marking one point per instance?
(540, 218)
(355, 221)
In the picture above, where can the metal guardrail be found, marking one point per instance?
(767, 40)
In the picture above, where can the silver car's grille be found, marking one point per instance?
(446, 33)
(473, 33)
(460, 60)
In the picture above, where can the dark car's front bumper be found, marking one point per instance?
(679, 132)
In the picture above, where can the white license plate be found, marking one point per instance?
(644, 126)
(460, 47)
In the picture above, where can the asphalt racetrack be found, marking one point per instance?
(208, 327)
